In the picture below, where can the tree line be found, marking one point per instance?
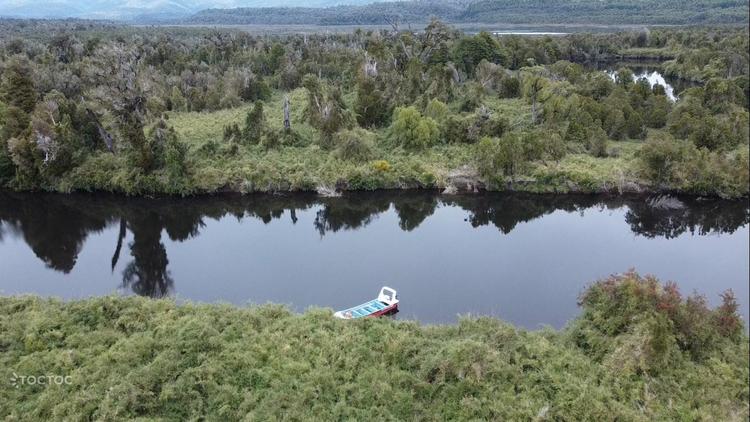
(637, 12)
(88, 92)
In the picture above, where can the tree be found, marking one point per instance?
(410, 129)
(470, 51)
(125, 94)
(660, 156)
(354, 145)
(325, 109)
(656, 111)
(177, 100)
(174, 152)
(533, 84)
(624, 77)
(15, 123)
(503, 156)
(17, 87)
(255, 124)
(371, 107)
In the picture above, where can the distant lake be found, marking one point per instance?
(523, 258)
(469, 28)
(529, 33)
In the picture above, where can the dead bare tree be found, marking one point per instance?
(287, 119)
(103, 134)
(370, 66)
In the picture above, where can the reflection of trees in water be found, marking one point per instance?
(55, 226)
(147, 273)
(696, 217)
(505, 211)
(413, 209)
(350, 213)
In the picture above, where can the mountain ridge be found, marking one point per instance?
(668, 12)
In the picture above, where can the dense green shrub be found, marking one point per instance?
(633, 306)
(680, 165)
(597, 143)
(436, 110)
(411, 130)
(510, 88)
(372, 107)
(661, 155)
(255, 124)
(354, 145)
(638, 351)
(500, 157)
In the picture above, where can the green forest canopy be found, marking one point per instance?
(611, 12)
(90, 106)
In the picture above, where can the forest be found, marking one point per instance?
(612, 12)
(94, 106)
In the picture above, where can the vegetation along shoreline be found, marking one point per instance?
(165, 110)
(638, 350)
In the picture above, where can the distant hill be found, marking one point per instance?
(141, 9)
(652, 12)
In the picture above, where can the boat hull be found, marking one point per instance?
(385, 311)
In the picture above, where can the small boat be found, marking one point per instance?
(386, 303)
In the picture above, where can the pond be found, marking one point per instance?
(523, 258)
(651, 72)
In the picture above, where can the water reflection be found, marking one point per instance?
(651, 72)
(653, 78)
(55, 227)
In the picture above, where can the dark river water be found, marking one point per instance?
(522, 258)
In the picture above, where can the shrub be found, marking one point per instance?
(504, 156)
(232, 133)
(436, 110)
(381, 165)
(626, 305)
(597, 143)
(660, 157)
(555, 147)
(255, 124)
(411, 130)
(354, 145)
(456, 129)
(175, 158)
(510, 87)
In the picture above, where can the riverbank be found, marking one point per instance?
(373, 162)
(448, 170)
(216, 166)
(638, 351)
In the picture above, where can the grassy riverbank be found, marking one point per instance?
(215, 165)
(638, 351)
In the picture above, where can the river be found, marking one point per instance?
(523, 258)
